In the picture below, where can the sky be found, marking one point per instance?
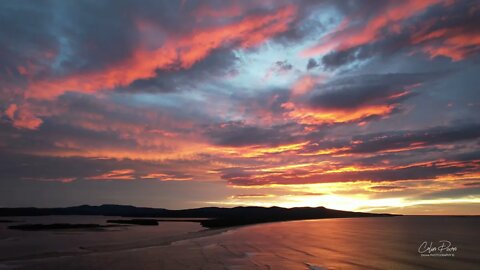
(353, 105)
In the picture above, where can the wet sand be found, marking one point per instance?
(359, 243)
(25, 245)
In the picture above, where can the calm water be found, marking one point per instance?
(361, 243)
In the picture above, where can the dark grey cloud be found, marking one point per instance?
(219, 63)
(358, 91)
(312, 63)
(57, 38)
(368, 8)
(458, 19)
(414, 172)
(283, 66)
(303, 26)
(80, 122)
(54, 137)
(15, 167)
(18, 166)
(84, 36)
(472, 184)
(241, 134)
(372, 143)
(401, 147)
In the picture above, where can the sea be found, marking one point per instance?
(402, 242)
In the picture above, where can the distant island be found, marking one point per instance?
(58, 226)
(208, 217)
(135, 221)
(6, 221)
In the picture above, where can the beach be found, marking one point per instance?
(349, 243)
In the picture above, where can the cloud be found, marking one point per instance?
(68, 169)
(241, 134)
(283, 66)
(22, 117)
(306, 84)
(312, 63)
(279, 68)
(220, 63)
(84, 125)
(433, 27)
(350, 34)
(355, 92)
(20, 166)
(409, 140)
(24, 49)
(182, 52)
(455, 35)
(337, 164)
(154, 51)
(431, 139)
(355, 99)
(387, 188)
(417, 171)
(123, 174)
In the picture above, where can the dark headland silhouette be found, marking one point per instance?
(209, 217)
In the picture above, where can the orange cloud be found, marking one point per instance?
(305, 84)
(329, 151)
(165, 177)
(181, 52)
(22, 117)
(310, 116)
(454, 43)
(332, 171)
(124, 174)
(257, 151)
(177, 150)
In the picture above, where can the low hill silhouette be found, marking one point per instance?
(215, 216)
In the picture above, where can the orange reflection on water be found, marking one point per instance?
(347, 243)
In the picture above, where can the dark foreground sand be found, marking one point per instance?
(361, 243)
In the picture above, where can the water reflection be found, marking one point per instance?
(364, 243)
(361, 243)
